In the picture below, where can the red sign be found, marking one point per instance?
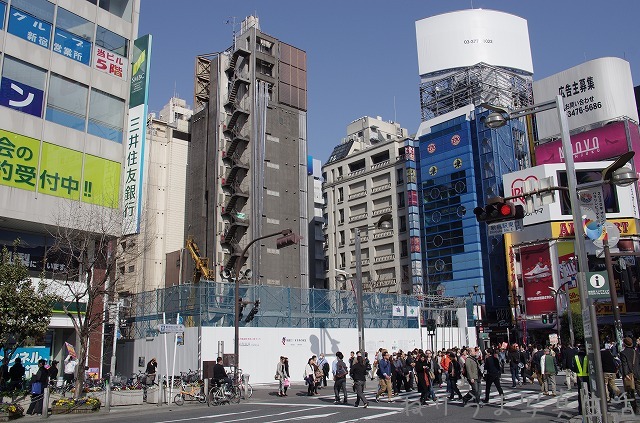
(537, 279)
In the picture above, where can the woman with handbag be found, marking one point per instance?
(280, 376)
(309, 377)
(38, 382)
(423, 374)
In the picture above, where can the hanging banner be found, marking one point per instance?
(537, 278)
(568, 270)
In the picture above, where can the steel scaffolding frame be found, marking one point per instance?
(212, 304)
(477, 84)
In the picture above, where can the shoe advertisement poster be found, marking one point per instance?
(537, 278)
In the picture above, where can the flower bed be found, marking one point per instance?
(75, 406)
(10, 412)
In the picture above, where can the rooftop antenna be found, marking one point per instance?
(231, 20)
(394, 109)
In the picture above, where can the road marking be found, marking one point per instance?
(302, 417)
(206, 417)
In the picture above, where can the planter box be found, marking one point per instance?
(5, 417)
(133, 397)
(81, 409)
(153, 394)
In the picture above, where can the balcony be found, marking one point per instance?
(364, 262)
(240, 51)
(361, 216)
(356, 173)
(357, 195)
(388, 257)
(383, 234)
(381, 164)
(383, 210)
(363, 238)
(380, 283)
(380, 188)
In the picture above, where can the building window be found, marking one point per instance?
(340, 216)
(403, 224)
(31, 20)
(120, 8)
(404, 249)
(106, 116)
(341, 238)
(27, 86)
(74, 24)
(343, 260)
(67, 102)
(340, 195)
(3, 9)
(131, 269)
(73, 36)
(112, 41)
(400, 200)
(399, 176)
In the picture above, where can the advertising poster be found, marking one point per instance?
(537, 277)
(568, 269)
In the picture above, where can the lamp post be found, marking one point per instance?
(385, 222)
(238, 265)
(477, 310)
(499, 118)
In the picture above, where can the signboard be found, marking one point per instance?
(57, 171)
(565, 229)
(553, 339)
(468, 37)
(592, 199)
(598, 285)
(22, 97)
(136, 136)
(72, 46)
(28, 28)
(594, 91)
(500, 228)
(29, 357)
(109, 62)
(170, 328)
(537, 279)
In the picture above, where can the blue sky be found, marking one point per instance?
(361, 54)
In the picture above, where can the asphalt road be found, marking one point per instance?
(521, 404)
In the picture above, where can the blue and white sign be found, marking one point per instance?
(72, 46)
(3, 9)
(29, 28)
(21, 97)
(29, 357)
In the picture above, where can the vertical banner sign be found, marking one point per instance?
(136, 136)
(537, 278)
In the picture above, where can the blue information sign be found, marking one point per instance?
(72, 46)
(3, 9)
(21, 97)
(29, 357)
(29, 28)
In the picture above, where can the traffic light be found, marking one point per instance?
(551, 317)
(242, 305)
(499, 211)
(545, 319)
(431, 325)
(287, 240)
(253, 312)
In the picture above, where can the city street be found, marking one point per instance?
(521, 404)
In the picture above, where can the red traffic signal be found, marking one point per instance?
(287, 240)
(498, 212)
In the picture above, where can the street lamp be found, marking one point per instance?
(385, 222)
(499, 118)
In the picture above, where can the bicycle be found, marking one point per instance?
(239, 383)
(220, 394)
(195, 391)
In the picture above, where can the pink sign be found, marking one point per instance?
(590, 146)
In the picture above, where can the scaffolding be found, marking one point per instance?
(482, 83)
(213, 304)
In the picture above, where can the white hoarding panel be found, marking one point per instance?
(595, 91)
(468, 37)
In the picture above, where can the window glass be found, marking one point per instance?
(31, 21)
(120, 8)
(39, 9)
(74, 24)
(67, 102)
(112, 41)
(3, 9)
(22, 86)
(106, 116)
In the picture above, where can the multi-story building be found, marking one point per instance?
(247, 174)
(365, 179)
(64, 96)
(461, 161)
(162, 219)
(316, 222)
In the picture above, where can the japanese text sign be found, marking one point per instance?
(28, 28)
(72, 46)
(21, 97)
(110, 62)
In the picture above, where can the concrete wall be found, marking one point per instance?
(261, 348)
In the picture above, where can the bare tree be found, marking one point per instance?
(89, 244)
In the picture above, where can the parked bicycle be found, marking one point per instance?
(239, 383)
(220, 393)
(192, 392)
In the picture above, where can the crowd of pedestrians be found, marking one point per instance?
(426, 370)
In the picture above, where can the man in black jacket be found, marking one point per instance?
(568, 358)
(494, 371)
(535, 365)
(359, 375)
(630, 369)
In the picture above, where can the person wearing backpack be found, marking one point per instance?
(455, 373)
(340, 378)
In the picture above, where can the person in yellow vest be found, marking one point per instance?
(581, 368)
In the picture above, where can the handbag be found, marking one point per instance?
(277, 376)
(36, 388)
(286, 382)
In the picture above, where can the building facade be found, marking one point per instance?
(316, 222)
(247, 174)
(365, 179)
(462, 161)
(63, 98)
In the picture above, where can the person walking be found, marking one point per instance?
(549, 370)
(515, 361)
(423, 370)
(609, 368)
(630, 370)
(38, 383)
(455, 373)
(568, 358)
(16, 375)
(340, 379)
(535, 365)
(492, 367)
(323, 365)
(287, 376)
(280, 376)
(473, 374)
(309, 377)
(358, 373)
(581, 368)
(384, 376)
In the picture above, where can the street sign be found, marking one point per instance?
(500, 228)
(170, 328)
(598, 285)
(593, 198)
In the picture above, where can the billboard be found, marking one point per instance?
(537, 278)
(468, 37)
(595, 91)
(136, 136)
